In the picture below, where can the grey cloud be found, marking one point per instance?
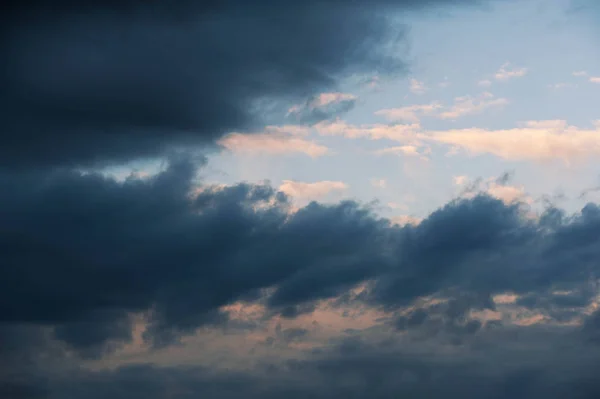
(84, 252)
(94, 82)
(498, 364)
(318, 109)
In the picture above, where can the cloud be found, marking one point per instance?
(494, 187)
(465, 105)
(407, 150)
(484, 83)
(184, 76)
(311, 191)
(403, 220)
(507, 72)
(146, 259)
(591, 79)
(85, 255)
(533, 140)
(411, 113)
(460, 180)
(468, 105)
(144, 252)
(274, 140)
(183, 260)
(322, 107)
(372, 131)
(417, 87)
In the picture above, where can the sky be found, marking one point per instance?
(319, 199)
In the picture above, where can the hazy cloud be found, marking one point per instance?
(507, 71)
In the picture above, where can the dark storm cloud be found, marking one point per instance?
(82, 252)
(515, 364)
(100, 81)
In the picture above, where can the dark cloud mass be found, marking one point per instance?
(82, 255)
(82, 252)
(98, 81)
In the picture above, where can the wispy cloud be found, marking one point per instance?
(468, 105)
(322, 107)
(495, 187)
(484, 83)
(507, 71)
(315, 190)
(411, 113)
(407, 150)
(417, 87)
(465, 105)
(400, 133)
(274, 140)
(584, 74)
(533, 140)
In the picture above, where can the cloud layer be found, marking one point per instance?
(462, 303)
(154, 249)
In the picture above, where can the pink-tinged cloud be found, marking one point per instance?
(417, 87)
(506, 72)
(462, 106)
(407, 150)
(468, 105)
(315, 190)
(411, 113)
(535, 141)
(274, 140)
(400, 133)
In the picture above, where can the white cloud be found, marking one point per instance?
(406, 150)
(303, 190)
(533, 140)
(584, 74)
(507, 193)
(417, 87)
(330, 98)
(491, 186)
(401, 133)
(468, 105)
(484, 83)
(410, 113)
(507, 72)
(465, 105)
(274, 140)
(460, 180)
